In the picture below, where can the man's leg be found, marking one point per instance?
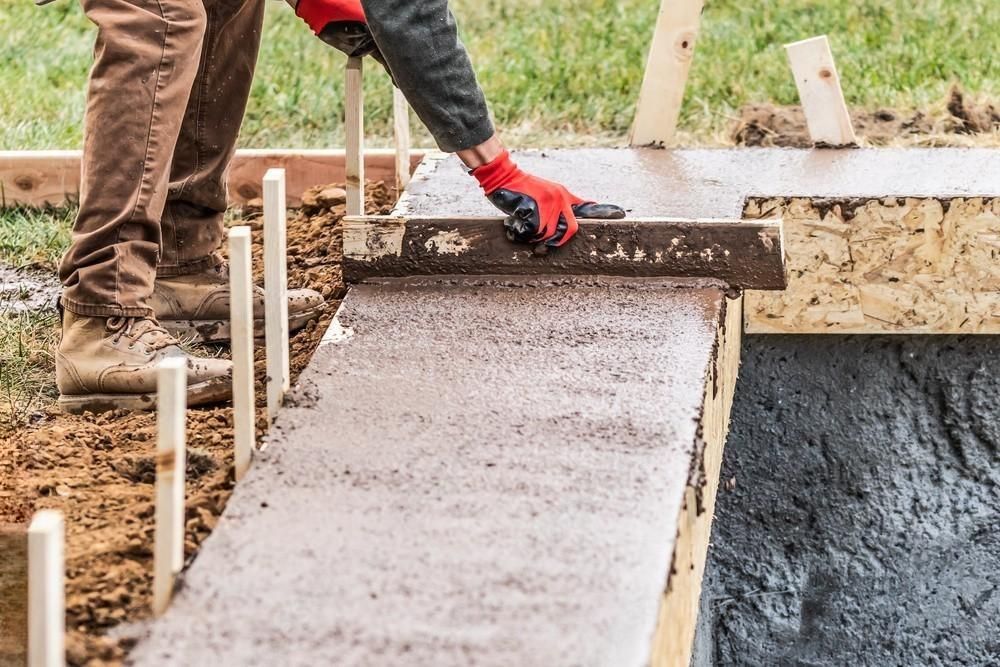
(191, 297)
(145, 62)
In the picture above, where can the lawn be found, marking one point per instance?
(557, 72)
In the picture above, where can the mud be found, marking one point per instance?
(474, 470)
(99, 470)
(24, 290)
(715, 183)
(785, 126)
(857, 519)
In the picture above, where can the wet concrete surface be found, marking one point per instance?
(470, 472)
(864, 524)
(714, 183)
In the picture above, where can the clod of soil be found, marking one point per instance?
(785, 126)
(99, 469)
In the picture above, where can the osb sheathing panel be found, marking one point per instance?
(891, 265)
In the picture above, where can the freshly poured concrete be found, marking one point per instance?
(714, 183)
(861, 525)
(483, 472)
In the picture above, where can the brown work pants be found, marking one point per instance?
(165, 101)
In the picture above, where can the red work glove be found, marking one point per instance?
(341, 24)
(538, 211)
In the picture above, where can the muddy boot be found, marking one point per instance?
(195, 307)
(109, 363)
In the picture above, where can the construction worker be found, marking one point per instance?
(166, 97)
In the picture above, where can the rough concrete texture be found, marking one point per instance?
(481, 472)
(864, 525)
(714, 183)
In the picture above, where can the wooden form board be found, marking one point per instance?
(675, 628)
(891, 265)
(39, 178)
(820, 93)
(13, 595)
(739, 253)
(665, 77)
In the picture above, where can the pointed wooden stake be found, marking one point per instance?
(819, 91)
(46, 590)
(401, 132)
(241, 325)
(666, 73)
(275, 290)
(171, 416)
(354, 124)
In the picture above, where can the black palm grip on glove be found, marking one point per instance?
(538, 210)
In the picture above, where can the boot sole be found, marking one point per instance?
(220, 331)
(215, 390)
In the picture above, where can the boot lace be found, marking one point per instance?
(140, 330)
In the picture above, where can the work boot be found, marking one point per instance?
(195, 306)
(106, 363)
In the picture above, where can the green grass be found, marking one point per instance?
(557, 72)
(32, 237)
(27, 368)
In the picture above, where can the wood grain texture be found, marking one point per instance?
(276, 291)
(354, 128)
(665, 77)
(39, 178)
(13, 595)
(890, 265)
(171, 422)
(401, 136)
(742, 254)
(242, 327)
(822, 99)
(47, 589)
(675, 628)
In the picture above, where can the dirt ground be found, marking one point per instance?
(99, 469)
(956, 123)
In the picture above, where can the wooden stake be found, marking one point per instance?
(666, 73)
(46, 590)
(171, 414)
(275, 291)
(354, 122)
(241, 325)
(401, 132)
(819, 90)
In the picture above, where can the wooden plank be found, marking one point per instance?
(666, 74)
(888, 265)
(276, 291)
(401, 135)
(675, 629)
(171, 422)
(13, 595)
(241, 305)
(354, 120)
(40, 178)
(820, 93)
(741, 253)
(46, 590)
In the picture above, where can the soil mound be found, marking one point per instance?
(785, 126)
(99, 469)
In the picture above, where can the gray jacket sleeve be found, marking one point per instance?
(419, 41)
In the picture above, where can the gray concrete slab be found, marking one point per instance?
(471, 472)
(714, 183)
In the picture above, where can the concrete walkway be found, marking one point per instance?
(472, 472)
